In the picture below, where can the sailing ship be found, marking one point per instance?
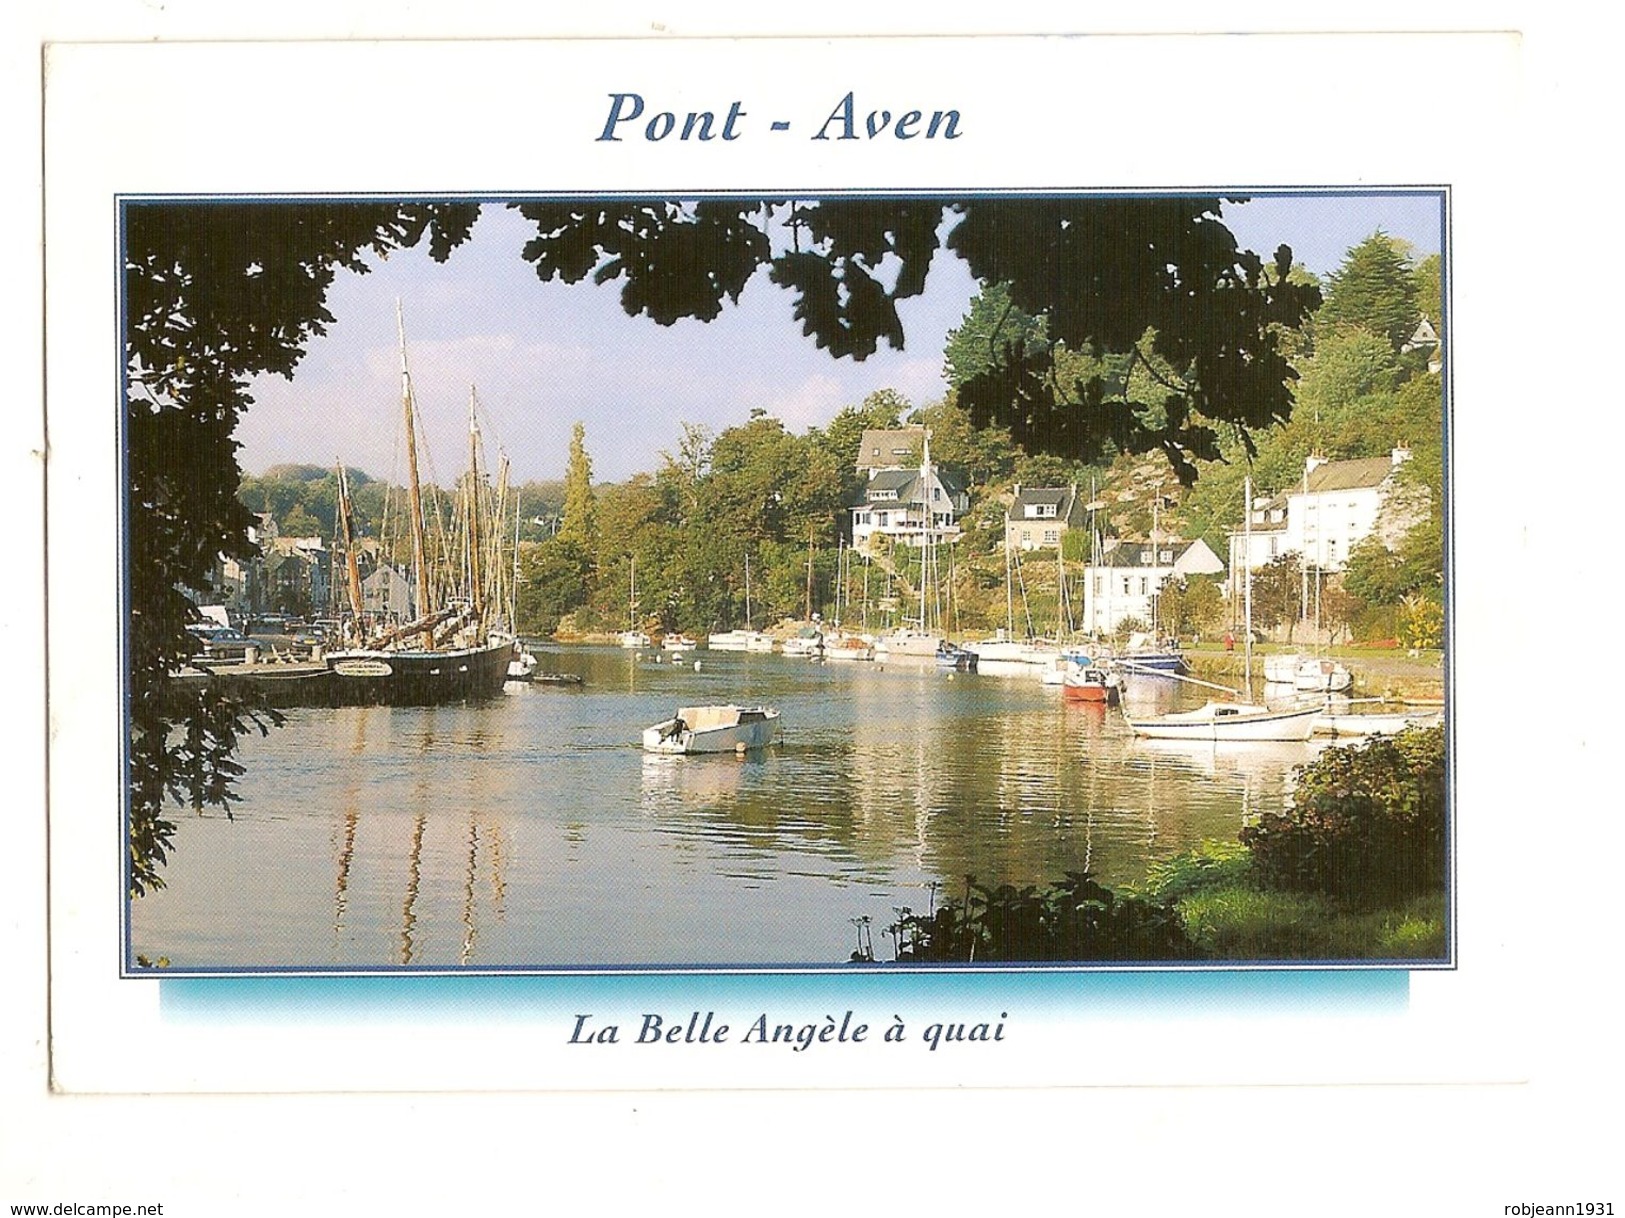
(449, 651)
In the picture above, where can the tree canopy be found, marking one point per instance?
(1160, 282)
(1376, 289)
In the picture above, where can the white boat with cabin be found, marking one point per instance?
(1228, 721)
(713, 729)
(807, 644)
(907, 641)
(1310, 674)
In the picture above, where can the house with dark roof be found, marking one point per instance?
(1039, 516)
(906, 496)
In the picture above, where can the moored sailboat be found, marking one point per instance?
(447, 652)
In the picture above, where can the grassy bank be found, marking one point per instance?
(1377, 674)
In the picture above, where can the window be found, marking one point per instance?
(1125, 585)
(1100, 581)
(936, 492)
(1051, 536)
(1144, 586)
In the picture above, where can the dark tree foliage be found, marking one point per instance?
(1369, 824)
(1103, 273)
(1075, 919)
(214, 293)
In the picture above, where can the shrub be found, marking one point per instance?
(1211, 865)
(1075, 919)
(1367, 823)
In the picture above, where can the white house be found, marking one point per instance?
(1129, 575)
(1337, 505)
(905, 502)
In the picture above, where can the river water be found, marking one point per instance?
(532, 831)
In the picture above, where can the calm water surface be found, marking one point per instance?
(532, 830)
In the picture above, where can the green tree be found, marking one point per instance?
(991, 325)
(1429, 277)
(1191, 605)
(1375, 289)
(1278, 592)
(554, 581)
(983, 454)
(577, 522)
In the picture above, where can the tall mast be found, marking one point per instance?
(925, 506)
(499, 513)
(748, 626)
(513, 586)
(809, 570)
(476, 593)
(1247, 585)
(347, 525)
(420, 564)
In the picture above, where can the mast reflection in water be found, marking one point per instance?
(532, 832)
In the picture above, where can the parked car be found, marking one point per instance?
(221, 644)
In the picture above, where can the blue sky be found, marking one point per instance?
(543, 355)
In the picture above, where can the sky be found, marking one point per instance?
(540, 356)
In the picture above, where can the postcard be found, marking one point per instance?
(770, 564)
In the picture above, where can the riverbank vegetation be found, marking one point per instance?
(1356, 868)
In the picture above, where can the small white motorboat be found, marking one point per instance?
(523, 665)
(807, 644)
(1229, 721)
(677, 642)
(713, 729)
(632, 640)
(1309, 674)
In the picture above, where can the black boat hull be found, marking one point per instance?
(420, 678)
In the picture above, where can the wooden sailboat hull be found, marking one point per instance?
(420, 678)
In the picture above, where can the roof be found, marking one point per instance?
(1064, 499)
(1363, 472)
(891, 448)
(905, 482)
(1041, 494)
(1126, 554)
(1139, 553)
